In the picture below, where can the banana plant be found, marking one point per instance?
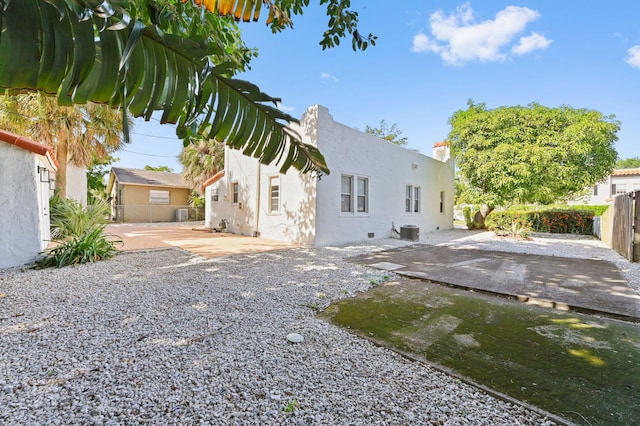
(171, 56)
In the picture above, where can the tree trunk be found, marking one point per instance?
(61, 175)
(482, 214)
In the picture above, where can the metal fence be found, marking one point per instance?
(150, 213)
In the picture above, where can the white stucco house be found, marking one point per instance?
(27, 171)
(620, 181)
(372, 185)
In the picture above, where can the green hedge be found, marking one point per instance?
(565, 221)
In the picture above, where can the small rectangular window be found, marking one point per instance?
(159, 197)
(214, 195)
(274, 194)
(595, 190)
(441, 201)
(234, 188)
(363, 195)
(416, 199)
(346, 205)
(408, 198)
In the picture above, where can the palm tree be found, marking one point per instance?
(200, 162)
(167, 55)
(79, 134)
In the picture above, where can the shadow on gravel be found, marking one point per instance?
(582, 368)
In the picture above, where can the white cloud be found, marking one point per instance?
(634, 56)
(458, 38)
(530, 43)
(327, 76)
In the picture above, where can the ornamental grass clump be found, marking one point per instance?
(78, 234)
(91, 246)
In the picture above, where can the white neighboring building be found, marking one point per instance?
(373, 183)
(27, 172)
(620, 181)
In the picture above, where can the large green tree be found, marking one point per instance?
(389, 133)
(531, 154)
(174, 56)
(628, 163)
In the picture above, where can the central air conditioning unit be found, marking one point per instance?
(410, 233)
(182, 215)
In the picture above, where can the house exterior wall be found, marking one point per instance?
(389, 169)
(309, 210)
(134, 207)
(292, 221)
(22, 211)
(77, 183)
(603, 192)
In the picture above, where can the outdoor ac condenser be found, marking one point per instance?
(409, 232)
(182, 215)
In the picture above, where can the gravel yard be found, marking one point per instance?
(166, 337)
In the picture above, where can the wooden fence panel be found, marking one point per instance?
(636, 227)
(622, 232)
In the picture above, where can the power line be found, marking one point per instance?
(148, 155)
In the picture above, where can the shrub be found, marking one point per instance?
(569, 221)
(513, 224)
(70, 218)
(91, 246)
(469, 217)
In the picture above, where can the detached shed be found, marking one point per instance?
(143, 196)
(27, 173)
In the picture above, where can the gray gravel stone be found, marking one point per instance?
(166, 337)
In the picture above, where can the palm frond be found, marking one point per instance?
(84, 52)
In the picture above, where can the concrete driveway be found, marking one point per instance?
(588, 285)
(192, 237)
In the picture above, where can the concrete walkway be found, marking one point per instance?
(587, 285)
(192, 237)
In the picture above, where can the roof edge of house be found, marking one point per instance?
(35, 147)
(213, 179)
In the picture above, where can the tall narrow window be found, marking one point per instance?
(363, 195)
(408, 197)
(441, 201)
(346, 204)
(416, 199)
(595, 190)
(274, 194)
(234, 188)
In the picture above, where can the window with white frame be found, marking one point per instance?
(234, 190)
(354, 194)
(214, 194)
(346, 194)
(412, 199)
(159, 197)
(408, 198)
(363, 195)
(274, 194)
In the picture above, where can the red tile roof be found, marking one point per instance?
(29, 145)
(213, 179)
(439, 144)
(625, 172)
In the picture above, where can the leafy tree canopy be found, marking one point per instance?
(178, 57)
(159, 168)
(389, 133)
(628, 163)
(531, 154)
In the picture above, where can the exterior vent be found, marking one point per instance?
(410, 232)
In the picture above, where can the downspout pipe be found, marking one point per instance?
(256, 228)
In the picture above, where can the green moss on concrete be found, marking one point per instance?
(576, 366)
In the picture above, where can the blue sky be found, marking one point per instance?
(431, 57)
